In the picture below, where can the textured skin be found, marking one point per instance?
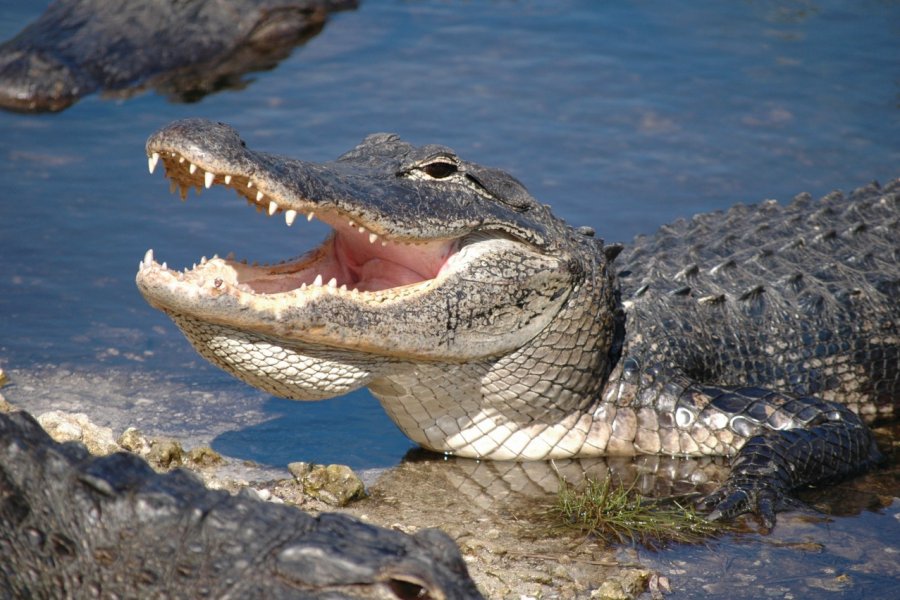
(73, 525)
(183, 48)
(766, 330)
(769, 332)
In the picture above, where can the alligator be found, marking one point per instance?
(75, 525)
(183, 49)
(489, 328)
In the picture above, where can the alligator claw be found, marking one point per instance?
(736, 497)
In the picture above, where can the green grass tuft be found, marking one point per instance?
(617, 514)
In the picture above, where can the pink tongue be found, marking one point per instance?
(378, 274)
(372, 267)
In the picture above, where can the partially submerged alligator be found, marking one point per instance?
(183, 49)
(489, 328)
(73, 525)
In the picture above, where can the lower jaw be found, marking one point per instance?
(274, 367)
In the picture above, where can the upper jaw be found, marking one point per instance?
(362, 254)
(371, 187)
(395, 252)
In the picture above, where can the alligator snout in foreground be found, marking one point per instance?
(489, 328)
(77, 526)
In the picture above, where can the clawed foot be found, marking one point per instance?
(738, 495)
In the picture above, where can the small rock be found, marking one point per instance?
(335, 485)
(134, 441)
(610, 590)
(165, 453)
(659, 585)
(62, 427)
(627, 585)
(204, 456)
(289, 490)
(99, 440)
(299, 469)
(77, 427)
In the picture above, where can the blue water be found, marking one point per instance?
(621, 115)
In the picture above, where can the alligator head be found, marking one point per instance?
(466, 307)
(183, 49)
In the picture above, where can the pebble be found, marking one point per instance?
(335, 485)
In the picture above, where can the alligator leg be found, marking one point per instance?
(792, 442)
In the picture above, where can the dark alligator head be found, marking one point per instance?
(444, 287)
(97, 518)
(183, 49)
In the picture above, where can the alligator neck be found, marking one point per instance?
(537, 402)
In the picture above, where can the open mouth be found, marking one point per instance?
(357, 258)
(422, 261)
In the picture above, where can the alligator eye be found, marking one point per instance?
(439, 169)
(408, 590)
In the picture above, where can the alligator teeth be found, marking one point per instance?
(372, 238)
(148, 257)
(180, 159)
(289, 216)
(249, 183)
(208, 179)
(259, 196)
(152, 160)
(352, 225)
(383, 243)
(310, 216)
(362, 229)
(192, 169)
(272, 206)
(228, 180)
(318, 280)
(332, 283)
